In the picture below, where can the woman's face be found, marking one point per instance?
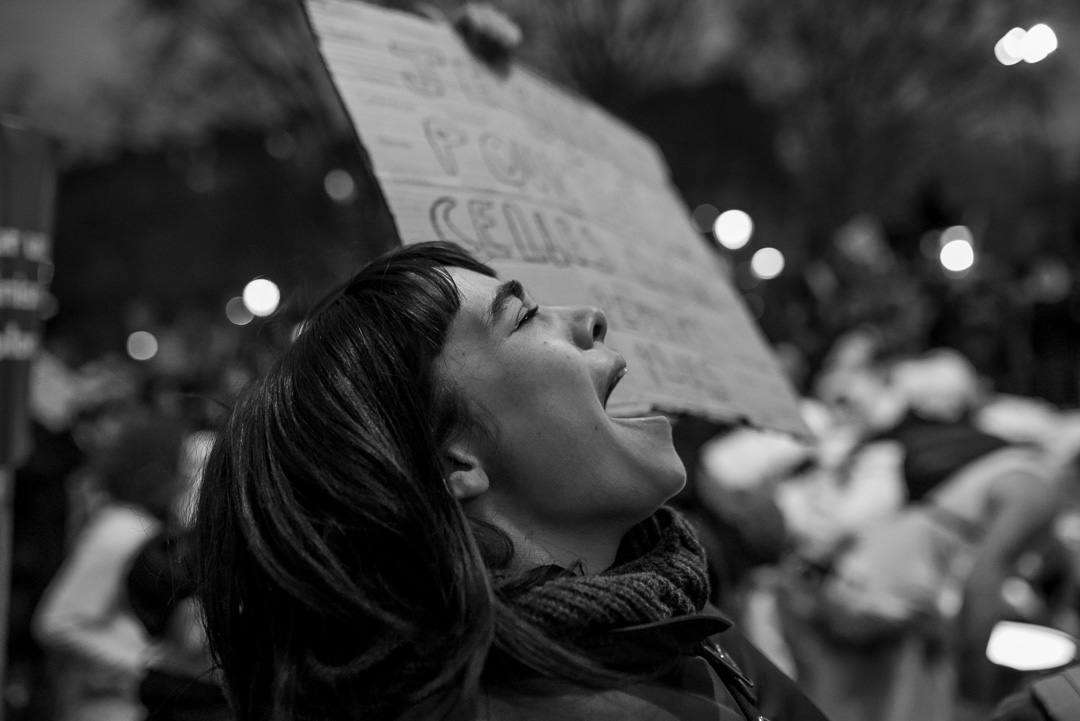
(540, 378)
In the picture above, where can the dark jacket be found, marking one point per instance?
(718, 676)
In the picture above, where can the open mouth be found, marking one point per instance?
(614, 381)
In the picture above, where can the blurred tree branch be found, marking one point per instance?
(874, 96)
(613, 51)
(222, 63)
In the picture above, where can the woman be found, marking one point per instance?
(424, 511)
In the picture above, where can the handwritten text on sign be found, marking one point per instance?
(25, 267)
(552, 191)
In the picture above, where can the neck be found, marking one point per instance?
(592, 549)
(591, 556)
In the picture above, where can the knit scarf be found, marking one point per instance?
(659, 573)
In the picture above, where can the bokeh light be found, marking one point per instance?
(340, 186)
(767, 263)
(237, 312)
(733, 228)
(703, 217)
(1039, 42)
(1031, 46)
(1010, 48)
(261, 297)
(1028, 647)
(142, 345)
(957, 255)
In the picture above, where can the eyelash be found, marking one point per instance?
(528, 316)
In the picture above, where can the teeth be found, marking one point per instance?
(618, 377)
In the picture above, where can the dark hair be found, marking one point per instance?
(339, 576)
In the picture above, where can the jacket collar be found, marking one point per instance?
(677, 636)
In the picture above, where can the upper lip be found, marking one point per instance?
(618, 370)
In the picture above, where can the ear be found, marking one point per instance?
(465, 475)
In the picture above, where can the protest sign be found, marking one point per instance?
(27, 188)
(549, 189)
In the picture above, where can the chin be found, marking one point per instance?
(675, 481)
(667, 480)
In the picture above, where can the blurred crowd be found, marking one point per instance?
(102, 622)
(876, 555)
(1015, 317)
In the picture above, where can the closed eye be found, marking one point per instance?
(529, 315)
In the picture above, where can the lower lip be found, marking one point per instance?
(642, 420)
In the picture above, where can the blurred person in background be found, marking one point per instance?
(97, 647)
(906, 543)
(69, 414)
(738, 474)
(40, 513)
(1043, 696)
(730, 496)
(179, 684)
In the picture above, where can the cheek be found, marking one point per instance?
(546, 378)
(546, 434)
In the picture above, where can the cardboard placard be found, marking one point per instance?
(551, 190)
(27, 190)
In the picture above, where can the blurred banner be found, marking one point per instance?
(27, 192)
(552, 191)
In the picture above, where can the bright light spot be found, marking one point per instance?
(733, 229)
(261, 297)
(142, 345)
(1027, 647)
(957, 255)
(704, 216)
(1010, 49)
(767, 263)
(1039, 42)
(296, 331)
(339, 186)
(1028, 45)
(237, 312)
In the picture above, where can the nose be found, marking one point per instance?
(590, 326)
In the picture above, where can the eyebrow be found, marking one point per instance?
(503, 294)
